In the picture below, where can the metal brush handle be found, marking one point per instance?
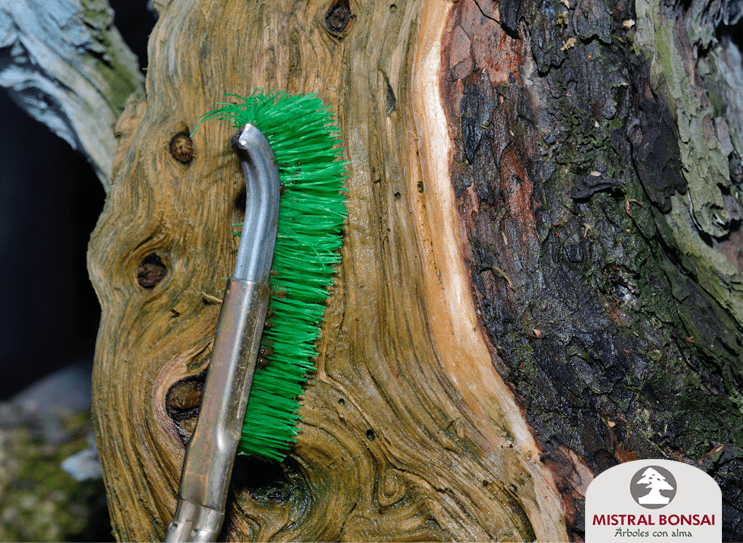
(210, 455)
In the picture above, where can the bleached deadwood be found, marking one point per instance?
(65, 64)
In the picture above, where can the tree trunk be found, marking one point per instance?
(540, 275)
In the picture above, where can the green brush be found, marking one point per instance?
(305, 142)
(287, 145)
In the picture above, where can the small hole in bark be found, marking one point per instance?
(337, 17)
(181, 147)
(182, 404)
(370, 435)
(151, 271)
(341, 401)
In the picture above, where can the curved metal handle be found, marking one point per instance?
(210, 455)
(258, 237)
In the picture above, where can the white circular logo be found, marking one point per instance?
(653, 487)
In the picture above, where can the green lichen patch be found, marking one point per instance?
(705, 167)
(105, 56)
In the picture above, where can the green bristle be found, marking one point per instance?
(305, 142)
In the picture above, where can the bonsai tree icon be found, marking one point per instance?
(655, 482)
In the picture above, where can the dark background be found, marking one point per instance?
(50, 200)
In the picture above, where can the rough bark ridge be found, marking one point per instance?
(408, 432)
(597, 179)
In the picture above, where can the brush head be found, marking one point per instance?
(305, 141)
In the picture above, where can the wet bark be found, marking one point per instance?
(540, 276)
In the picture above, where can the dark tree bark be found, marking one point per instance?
(597, 175)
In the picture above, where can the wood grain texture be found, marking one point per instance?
(408, 433)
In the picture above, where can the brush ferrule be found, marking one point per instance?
(193, 522)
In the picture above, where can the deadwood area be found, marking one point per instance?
(66, 65)
(541, 272)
